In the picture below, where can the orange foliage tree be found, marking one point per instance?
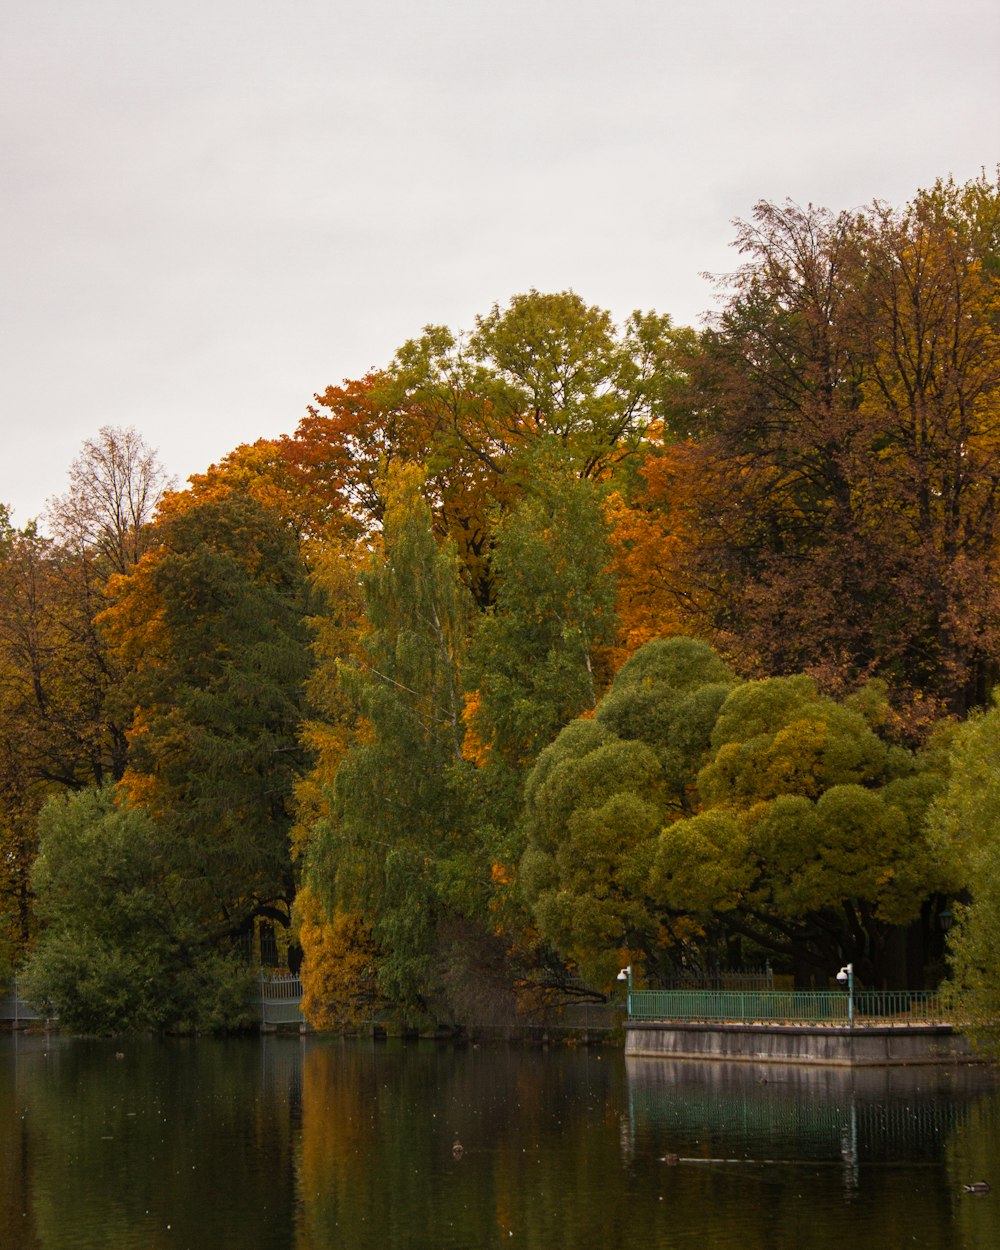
(339, 977)
(849, 400)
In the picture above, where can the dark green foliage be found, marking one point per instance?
(122, 946)
(598, 797)
(533, 656)
(668, 695)
(399, 818)
(810, 836)
(965, 825)
(695, 806)
(218, 687)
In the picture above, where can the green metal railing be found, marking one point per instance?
(871, 1007)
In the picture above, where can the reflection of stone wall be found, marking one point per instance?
(884, 1113)
(799, 1043)
(832, 1084)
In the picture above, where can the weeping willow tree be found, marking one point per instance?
(395, 847)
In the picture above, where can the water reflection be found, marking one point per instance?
(315, 1145)
(870, 1114)
(144, 1150)
(877, 1137)
(394, 1116)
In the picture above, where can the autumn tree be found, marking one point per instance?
(336, 943)
(263, 471)
(474, 408)
(339, 979)
(55, 729)
(847, 402)
(115, 484)
(653, 536)
(57, 672)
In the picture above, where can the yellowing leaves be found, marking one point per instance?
(338, 978)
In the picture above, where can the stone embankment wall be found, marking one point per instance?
(817, 1044)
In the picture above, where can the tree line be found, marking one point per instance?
(553, 645)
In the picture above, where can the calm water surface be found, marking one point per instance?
(320, 1145)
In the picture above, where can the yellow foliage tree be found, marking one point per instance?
(338, 974)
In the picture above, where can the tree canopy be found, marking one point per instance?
(211, 626)
(965, 825)
(762, 810)
(122, 946)
(555, 642)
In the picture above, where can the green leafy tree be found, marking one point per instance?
(695, 816)
(555, 367)
(395, 847)
(122, 947)
(212, 625)
(536, 655)
(810, 838)
(598, 797)
(547, 375)
(537, 660)
(965, 824)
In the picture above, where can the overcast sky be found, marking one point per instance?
(212, 210)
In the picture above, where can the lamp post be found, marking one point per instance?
(846, 977)
(626, 975)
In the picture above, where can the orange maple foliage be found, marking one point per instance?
(342, 451)
(652, 538)
(475, 748)
(263, 471)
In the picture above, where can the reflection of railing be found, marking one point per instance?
(871, 1007)
(878, 1113)
(279, 998)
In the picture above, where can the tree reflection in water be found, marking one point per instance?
(323, 1144)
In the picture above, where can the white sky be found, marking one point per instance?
(211, 210)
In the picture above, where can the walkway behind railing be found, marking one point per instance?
(15, 1009)
(871, 1007)
(277, 998)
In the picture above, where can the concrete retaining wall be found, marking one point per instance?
(789, 1043)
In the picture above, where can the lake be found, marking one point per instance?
(320, 1144)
